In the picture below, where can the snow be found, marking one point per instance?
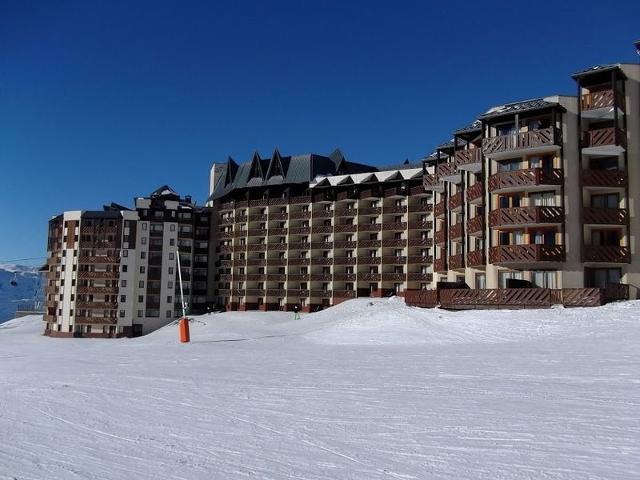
(369, 389)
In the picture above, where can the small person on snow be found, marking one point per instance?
(296, 313)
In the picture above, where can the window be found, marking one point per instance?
(510, 165)
(143, 240)
(140, 298)
(122, 313)
(144, 226)
(123, 283)
(607, 200)
(141, 284)
(169, 313)
(600, 277)
(546, 199)
(143, 255)
(170, 270)
(481, 280)
(125, 253)
(140, 314)
(172, 256)
(544, 278)
(504, 276)
(142, 269)
(172, 227)
(123, 298)
(169, 299)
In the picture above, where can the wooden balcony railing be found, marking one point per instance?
(476, 259)
(322, 261)
(276, 262)
(421, 225)
(475, 225)
(474, 193)
(105, 274)
(456, 231)
(344, 277)
(322, 213)
(440, 209)
(300, 199)
(394, 259)
(456, 261)
(440, 265)
(505, 254)
(516, 141)
(370, 243)
(299, 246)
(468, 157)
(320, 277)
(258, 217)
(370, 227)
(321, 293)
(344, 261)
(370, 211)
(345, 244)
(300, 215)
(432, 182)
(525, 178)
(419, 260)
(421, 208)
(526, 216)
(605, 216)
(446, 170)
(394, 226)
(440, 237)
(369, 277)
(345, 228)
(604, 137)
(606, 254)
(276, 277)
(369, 260)
(85, 320)
(420, 277)
(344, 293)
(394, 242)
(394, 277)
(322, 229)
(605, 178)
(298, 261)
(601, 99)
(300, 231)
(420, 242)
(455, 202)
(347, 212)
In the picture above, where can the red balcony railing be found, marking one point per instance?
(432, 182)
(606, 254)
(475, 225)
(604, 178)
(516, 141)
(456, 231)
(474, 192)
(526, 253)
(468, 157)
(476, 258)
(604, 137)
(439, 209)
(605, 216)
(526, 216)
(455, 202)
(525, 178)
(456, 261)
(439, 265)
(440, 237)
(601, 99)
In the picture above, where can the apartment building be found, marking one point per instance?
(312, 231)
(114, 272)
(542, 190)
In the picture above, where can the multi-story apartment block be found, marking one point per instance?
(541, 190)
(114, 272)
(312, 231)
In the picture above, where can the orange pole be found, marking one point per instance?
(183, 326)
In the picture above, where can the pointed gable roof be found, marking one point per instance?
(276, 166)
(255, 169)
(230, 173)
(164, 191)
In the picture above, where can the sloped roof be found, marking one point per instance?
(298, 169)
(596, 69)
(164, 191)
(476, 126)
(359, 178)
(518, 107)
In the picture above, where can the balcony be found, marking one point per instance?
(599, 104)
(604, 141)
(370, 211)
(320, 293)
(276, 277)
(420, 277)
(439, 265)
(277, 247)
(85, 320)
(526, 216)
(277, 262)
(440, 209)
(322, 261)
(394, 277)
(98, 259)
(394, 259)
(470, 160)
(89, 289)
(420, 225)
(323, 214)
(322, 229)
(456, 232)
(255, 277)
(344, 261)
(455, 202)
(105, 274)
(394, 242)
(347, 212)
(476, 259)
(344, 277)
(606, 254)
(370, 243)
(475, 226)
(346, 228)
(252, 247)
(300, 215)
(300, 199)
(345, 244)
(300, 231)
(474, 194)
(420, 242)
(258, 217)
(448, 172)
(395, 209)
(605, 178)
(277, 231)
(394, 226)
(320, 277)
(523, 254)
(255, 292)
(369, 277)
(369, 260)
(532, 142)
(322, 245)
(419, 260)
(291, 292)
(524, 179)
(421, 207)
(297, 261)
(344, 293)
(255, 262)
(276, 292)
(299, 246)
(432, 182)
(370, 227)
(440, 237)
(605, 216)
(456, 261)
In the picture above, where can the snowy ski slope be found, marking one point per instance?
(370, 389)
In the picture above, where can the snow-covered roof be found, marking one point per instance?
(359, 178)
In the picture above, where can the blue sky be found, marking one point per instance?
(104, 101)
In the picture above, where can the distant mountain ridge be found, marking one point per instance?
(27, 291)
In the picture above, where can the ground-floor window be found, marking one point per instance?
(599, 277)
(504, 276)
(481, 280)
(544, 278)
